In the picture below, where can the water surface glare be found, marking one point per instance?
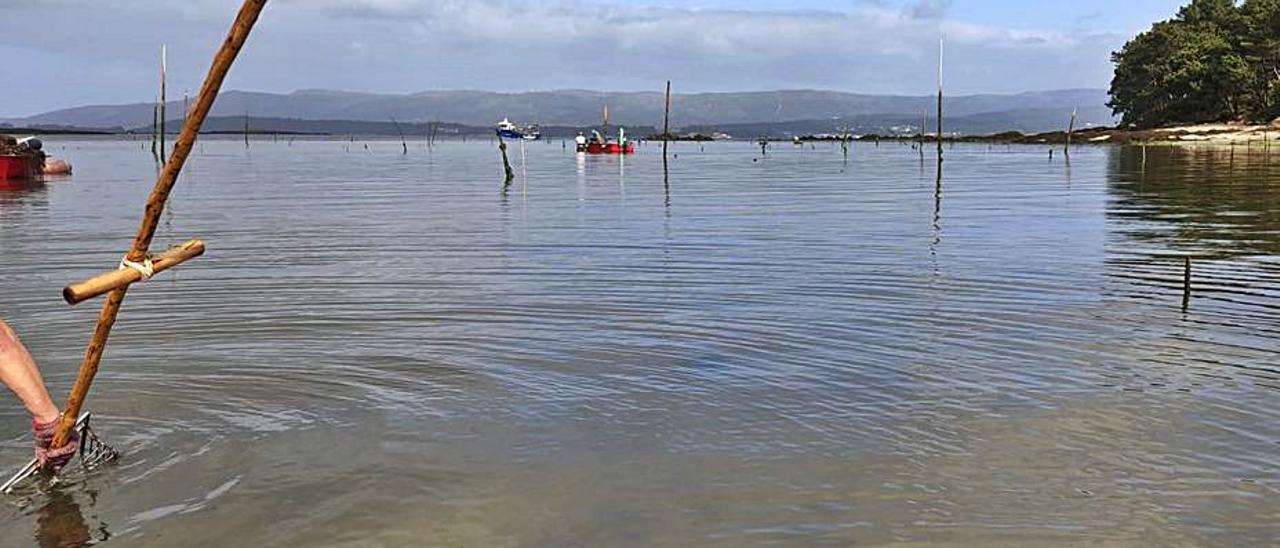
(387, 349)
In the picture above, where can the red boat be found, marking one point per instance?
(610, 148)
(599, 144)
(21, 158)
(24, 166)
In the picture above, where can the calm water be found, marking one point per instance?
(388, 350)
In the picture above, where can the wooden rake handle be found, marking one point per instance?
(247, 16)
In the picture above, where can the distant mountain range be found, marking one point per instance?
(757, 113)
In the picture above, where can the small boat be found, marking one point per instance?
(508, 130)
(599, 144)
(20, 167)
(21, 159)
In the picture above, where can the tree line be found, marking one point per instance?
(1217, 60)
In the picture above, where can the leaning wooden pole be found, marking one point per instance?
(1071, 129)
(239, 32)
(508, 174)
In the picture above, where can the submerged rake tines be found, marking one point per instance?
(93, 451)
(93, 454)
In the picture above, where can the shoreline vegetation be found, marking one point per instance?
(1212, 133)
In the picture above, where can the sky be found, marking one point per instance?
(63, 53)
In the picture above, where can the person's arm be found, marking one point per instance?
(18, 372)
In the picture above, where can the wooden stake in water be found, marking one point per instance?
(1071, 128)
(666, 116)
(164, 61)
(403, 144)
(939, 98)
(226, 55)
(1186, 283)
(506, 164)
(155, 127)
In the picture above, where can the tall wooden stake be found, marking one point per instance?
(1071, 129)
(236, 37)
(666, 115)
(164, 69)
(666, 136)
(939, 99)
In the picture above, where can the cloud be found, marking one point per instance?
(411, 45)
(929, 9)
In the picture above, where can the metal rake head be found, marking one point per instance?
(93, 453)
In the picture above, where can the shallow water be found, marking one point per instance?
(382, 349)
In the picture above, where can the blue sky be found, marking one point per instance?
(105, 51)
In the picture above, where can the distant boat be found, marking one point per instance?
(600, 144)
(508, 130)
(19, 167)
(20, 159)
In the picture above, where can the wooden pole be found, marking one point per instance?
(666, 136)
(164, 69)
(1071, 128)
(226, 55)
(939, 99)
(155, 127)
(1186, 283)
(666, 115)
(122, 277)
(506, 164)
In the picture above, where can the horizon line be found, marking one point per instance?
(563, 90)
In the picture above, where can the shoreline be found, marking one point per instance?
(1195, 134)
(1212, 133)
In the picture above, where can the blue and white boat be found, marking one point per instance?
(508, 130)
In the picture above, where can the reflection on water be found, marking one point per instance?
(17, 195)
(60, 523)
(1216, 202)
(376, 350)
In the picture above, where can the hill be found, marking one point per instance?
(818, 110)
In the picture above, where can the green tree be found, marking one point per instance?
(1191, 69)
(1260, 45)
